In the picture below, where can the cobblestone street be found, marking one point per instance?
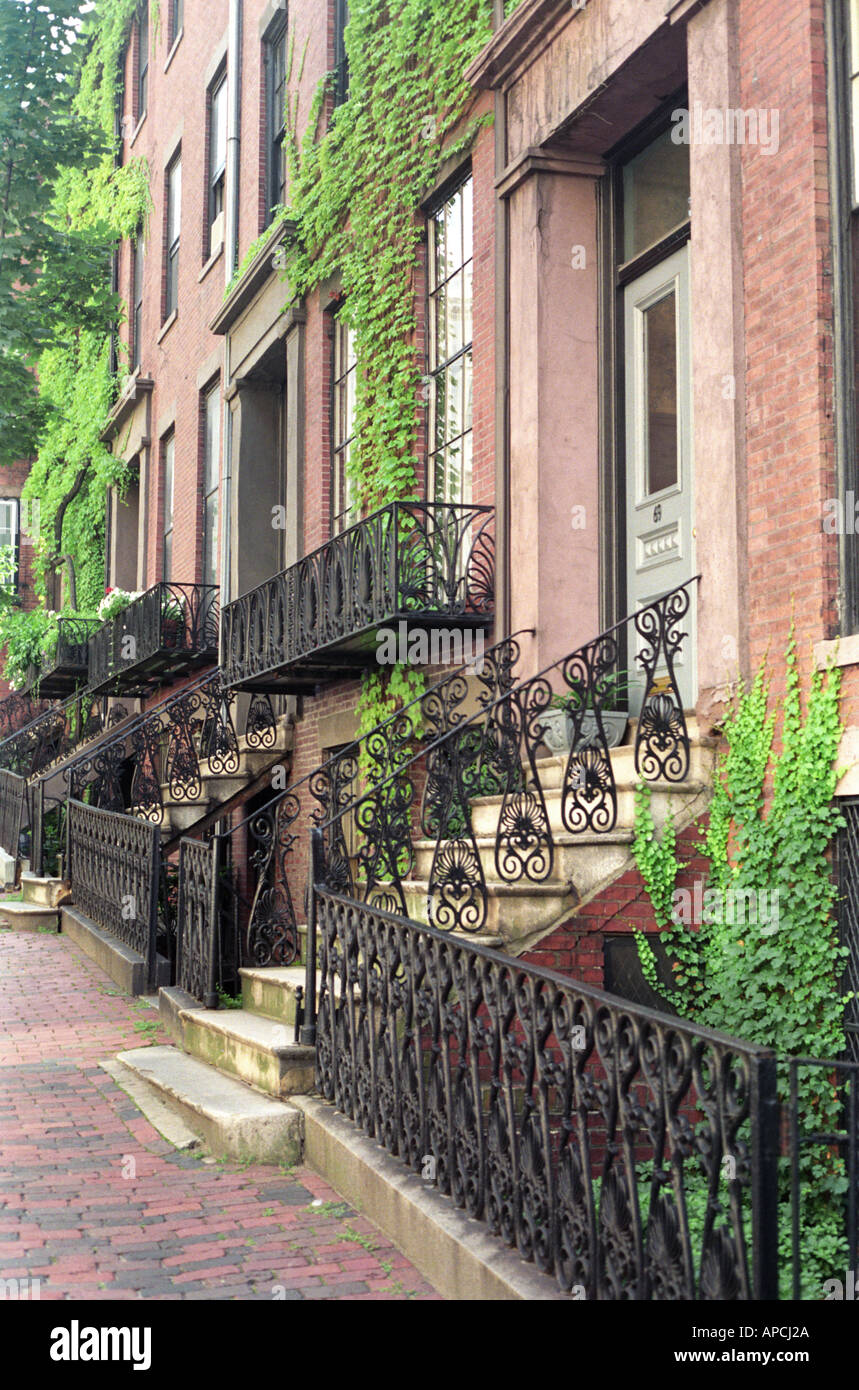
(96, 1205)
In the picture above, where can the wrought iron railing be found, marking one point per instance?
(17, 711)
(169, 629)
(245, 888)
(13, 795)
(823, 1154)
(418, 561)
(114, 865)
(499, 752)
(626, 1153)
(66, 664)
(57, 732)
(165, 753)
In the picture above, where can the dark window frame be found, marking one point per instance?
(341, 444)
(210, 542)
(341, 58)
(138, 254)
(172, 249)
(167, 531)
(142, 91)
(216, 175)
(175, 22)
(434, 373)
(275, 49)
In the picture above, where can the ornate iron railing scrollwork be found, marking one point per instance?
(13, 795)
(115, 869)
(579, 1128)
(500, 751)
(57, 732)
(179, 620)
(410, 558)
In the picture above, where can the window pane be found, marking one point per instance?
(210, 556)
(655, 194)
(854, 36)
(213, 439)
(660, 346)
(218, 147)
(169, 457)
(174, 202)
(451, 286)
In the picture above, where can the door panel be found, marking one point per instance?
(660, 542)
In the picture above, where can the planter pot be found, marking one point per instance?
(558, 727)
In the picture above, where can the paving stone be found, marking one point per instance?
(71, 1218)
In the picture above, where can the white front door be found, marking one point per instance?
(660, 542)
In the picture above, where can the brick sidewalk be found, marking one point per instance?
(95, 1204)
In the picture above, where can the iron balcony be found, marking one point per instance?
(170, 630)
(64, 669)
(428, 564)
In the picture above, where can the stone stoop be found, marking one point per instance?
(35, 911)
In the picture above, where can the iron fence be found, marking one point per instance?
(13, 794)
(114, 865)
(17, 711)
(66, 665)
(56, 733)
(823, 1164)
(419, 561)
(627, 1153)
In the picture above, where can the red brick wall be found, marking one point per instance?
(788, 327)
(576, 947)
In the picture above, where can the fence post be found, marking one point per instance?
(37, 830)
(152, 932)
(211, 1000)
(765, 1114)
(308, 1031)
(67, 867)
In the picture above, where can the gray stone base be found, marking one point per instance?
(457, 1254)
(125, 967)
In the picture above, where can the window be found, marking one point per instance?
(142, 61)
(168, 459)
(211, 482)
(341, 62)
(137, 255)
(174, 221)
(450, 358)
(175, 22)
(9, 512)
(217, 162)
(343, 433)
(276, 121)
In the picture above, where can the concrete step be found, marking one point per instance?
(23, 916)
(513, 910)
(40, 890)
(233, 1120)
(257, 1050)
(580, 859)
(270, 991)
(486, 810)
(702, 754)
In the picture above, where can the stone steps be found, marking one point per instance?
(36, 917)
(233, 1120)
(250, 1047)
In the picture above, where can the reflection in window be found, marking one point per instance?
(345, 377)
(450, 349)
(169, 470)
(655, 194)
(211, 484)
(660, 359)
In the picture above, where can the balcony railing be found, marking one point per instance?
(430, 564)
(17, 711)
(65, 667)
(169, 630)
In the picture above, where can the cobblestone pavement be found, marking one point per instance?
(95, 1204)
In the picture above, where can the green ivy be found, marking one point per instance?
(354, 191)
(76, 383)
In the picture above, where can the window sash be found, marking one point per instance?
(143, 61)
(9, 516)
(176, 20)
(211, 484)
(174, 222)
(137, 301)
(344, 382)
(169, 493)
(451, 309)
(276, 121)
(341, 61)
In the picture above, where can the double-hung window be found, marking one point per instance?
(217, 162)
(343, 434)
(142, 61)
(450, 351)
(175, 22)
(276, 120)
(9, 514)
(169, 466)
(211, 482)
(174, 222)
(137, 254)
(341, 61)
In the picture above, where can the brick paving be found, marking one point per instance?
(96, 1205)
